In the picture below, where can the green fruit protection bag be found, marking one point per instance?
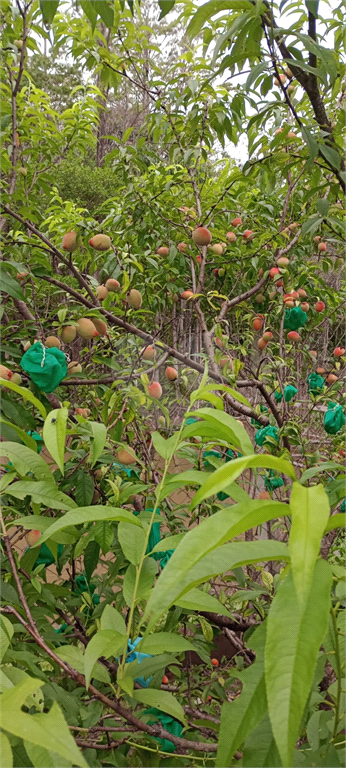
(46, 367)
(290, 392)
(334, 418)
(315, 383)
(154, 538)
(294, 318)
(278, 395)
(169, 723)
(262, 435)
(273, 481)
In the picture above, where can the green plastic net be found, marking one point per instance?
(315, 383)
(273, 481)
(290, 392)
(169, 723)
(294, 318)
(334, 418)
(278, 395)
(266, 435)
(46, 367)
(154, 538)
(46, 557)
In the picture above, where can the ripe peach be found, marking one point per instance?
(283, 261)
(100, 326)
(279, 283)
(263, 495)
(74, 367)
(5, 373)
(274, 271)
(272, 294)
(282, 79)
(32, 537)
(320, 306)
(293, 336)
(68, 333)
(291, 135)
(331, 378)
(248, 234)
(321, 371)
(317, 238)
(125, 456)
(171, 373)
(21, 275)
(100, 242)
(322, 247)
(305, 306)
(101, 292)
(257, 324)
(71, 241)
(165, 680)
(262, 343)
(155, 390)
(52, 341)
(219, 343)
(215, 662)
(148, 353)
(291, 88)
(293, 226)
(82, 412)
(278, 130)
(295, 294)
(199, 259)
(182, 247)
(237, 222)
(339, 351)
(86, 328)
(312, 353)
(112, 284)
(134, 299)
(201, 236)
(186, 295)
(231, 236)
(302, 293)
(163, 251)
(289, 303)
(225, 362)
(267, 335)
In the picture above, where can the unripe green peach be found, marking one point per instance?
(22, 170)
(339, 262)
(222, 272)
(283, 261)
(18, 44)
(134, 299)
(16, 378)
(101, 292)
(86, 328)
(259, 298)
(148, 353)
(217, 249)
(201, 236)
(68, 333)
(100, 242)
(71, 241)
(74, 367)
(112, 284)
(100, 326)
(52, 341)
(26, 346)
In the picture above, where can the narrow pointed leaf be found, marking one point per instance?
(310, 512)
(88, 515)
(162, 700)
(54, 435)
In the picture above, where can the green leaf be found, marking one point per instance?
(33, 522)
(49, 9)
(88, 515)
(23, 436)
(104, 535)
(90, 12)
(10, 286)
(310, 511)
(323, 467)
(161, 700)
(74, 656)
(312, 6)
(106, 12)
(293, 641)
(170, 542)
(222, 477)
(6, 752)
(54, 435)
(91, 558)
(97, 441)
(26, 394)
(331, 156)
(84, 489)
(112, 619)
(42, 758)
(166, 6)
(164, 641)
(335, 521)
(41, 492)
(24, 460)
(132, 542)
(46, 730)
(233, 429)
(146, 580)
(6, 634)
(240, 716)
(163, 447)
(196, 600)
(206, 11)
(260, 748)
(322, 206)
(106, 642)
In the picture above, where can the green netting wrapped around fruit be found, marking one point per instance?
(46, 367)
(290, 392)
(45, 556)
(273, 481)
(334, 418)
(315, 383)
(167, 722)
(278, 395)
(262, 435)
(294, 318)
